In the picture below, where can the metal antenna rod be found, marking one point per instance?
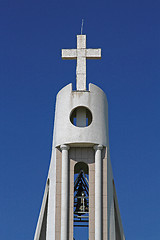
(82, 26)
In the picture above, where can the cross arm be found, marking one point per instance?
(93, 53)
(69, 53)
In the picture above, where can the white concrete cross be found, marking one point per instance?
(81, 53)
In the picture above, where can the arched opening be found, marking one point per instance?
(81, 201)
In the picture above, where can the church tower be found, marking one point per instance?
(80, 200)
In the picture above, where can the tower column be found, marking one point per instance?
(64, 193)
(98, 192)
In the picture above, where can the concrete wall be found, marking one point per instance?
(95, 100)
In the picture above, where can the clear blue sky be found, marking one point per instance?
(32, 33)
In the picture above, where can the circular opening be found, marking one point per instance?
(81, 117)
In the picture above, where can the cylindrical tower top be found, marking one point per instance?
(81, 117)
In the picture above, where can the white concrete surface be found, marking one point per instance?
(64, 193)
(98, 192)
(81, 54)
(95, 100)
(41, 215)
(50, 231)
(81, 117)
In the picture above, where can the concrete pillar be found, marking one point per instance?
(98, 192)
(64, 193)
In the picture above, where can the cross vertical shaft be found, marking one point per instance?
(81, 63)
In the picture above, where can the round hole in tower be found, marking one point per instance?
(81, 117)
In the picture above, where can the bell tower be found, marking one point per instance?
(80, 200)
